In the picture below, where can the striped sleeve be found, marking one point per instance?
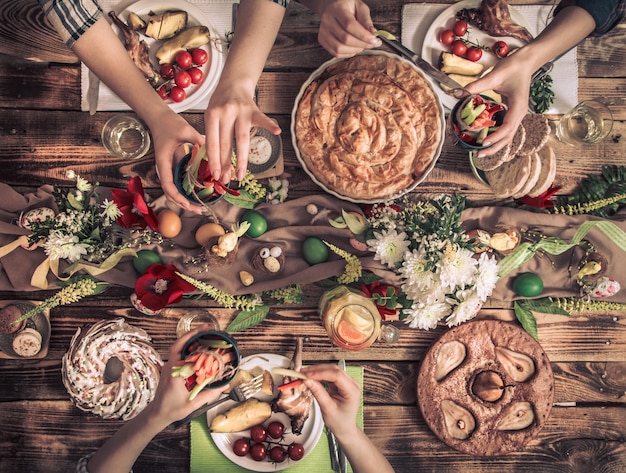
(71, 18)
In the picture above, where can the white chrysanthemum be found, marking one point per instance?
(457, 268)
(61, 246)
(389, 247)
(487, 276)
(82, 184)
(71, 174)
(465, 310)
(426, 316)
(110, 211)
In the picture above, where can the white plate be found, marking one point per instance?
(212, 69)
(432, 47)
(309, 437)
(294, 140)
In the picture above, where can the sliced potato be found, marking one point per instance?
(242, 376)
(268, 383)
(452, 64)
(167, 24)
(241, 417)
(135, 22)
(193, 37)
(465, 80)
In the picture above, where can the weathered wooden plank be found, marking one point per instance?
(51, 436)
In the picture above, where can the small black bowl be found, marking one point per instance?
(219, 337)
(498, 116)
(179, 174)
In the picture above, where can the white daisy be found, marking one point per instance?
(82, 184)
(110, 211)
(389, 247)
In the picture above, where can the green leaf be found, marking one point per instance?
(543, 306)
(527, 319)
(244, 200)
(248, 318)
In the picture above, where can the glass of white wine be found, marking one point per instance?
(588, 122)
(193, 318)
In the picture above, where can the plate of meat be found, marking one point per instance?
(151, 55)
(304, 415)
(498, 22)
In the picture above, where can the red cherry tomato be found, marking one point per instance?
(458, 48)
(182, 79)
(196, 75)
(258, 433)
(296, 451)
(241, 447)
(275, 429)
(199, 56)
(446, 37)
(500, 48)
(177, 94)
(460, 27)
(474, 54)
(167, 71)
(163, 93)
(184, 59)
(258, 452)
(277, 454)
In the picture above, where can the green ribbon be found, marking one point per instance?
(556, 246)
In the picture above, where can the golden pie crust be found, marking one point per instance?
(482, 340)
(369, 127)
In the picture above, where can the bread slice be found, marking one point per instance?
(509, 178)
(537, 130)
(489, 163)
(548, 171)
(518, 140)
(533, 176)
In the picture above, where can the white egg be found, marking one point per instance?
(27, 219)
(276, 251)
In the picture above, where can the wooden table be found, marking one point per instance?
(44, 134)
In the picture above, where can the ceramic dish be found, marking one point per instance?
(309, 437)
(38, 322)
(258, 162)
(432, 47)
(212, 69)
(417, 179)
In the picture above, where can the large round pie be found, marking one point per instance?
(368, 128)
(485, 388)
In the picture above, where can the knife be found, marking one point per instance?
(391, 41)
(343, 463)
(92, 93)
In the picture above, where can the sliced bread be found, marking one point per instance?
(489, 163)
(509, 178)
(533, 176)
(548, 171)
(537, 130)
(518, 140)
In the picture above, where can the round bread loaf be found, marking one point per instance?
(485, 388)
(537, 130)
(8, 315)
(509, 178)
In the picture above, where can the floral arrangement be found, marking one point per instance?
(442, 275)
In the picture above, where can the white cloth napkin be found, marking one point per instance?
(417, 18)
(218, 12)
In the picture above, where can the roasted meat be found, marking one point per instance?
(295, 402)
(138, 50)
(493, 17)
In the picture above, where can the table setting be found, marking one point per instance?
(438, 301)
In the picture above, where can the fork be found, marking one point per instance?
(240, 393)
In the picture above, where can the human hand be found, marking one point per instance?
(232, 112)
(340, 403)
(169, 132)
(511, 79)
(346, 27)
(171, 401)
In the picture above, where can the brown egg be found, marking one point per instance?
(207, 231)
(170, 223)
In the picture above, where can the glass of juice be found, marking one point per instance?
(350, 318)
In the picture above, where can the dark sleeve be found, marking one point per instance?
(606, 13)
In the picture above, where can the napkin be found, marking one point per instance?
(417, 18)
(205, 456)
(219, 13)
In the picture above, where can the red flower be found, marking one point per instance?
(160, 286)
(384, 296)
(135, 210)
